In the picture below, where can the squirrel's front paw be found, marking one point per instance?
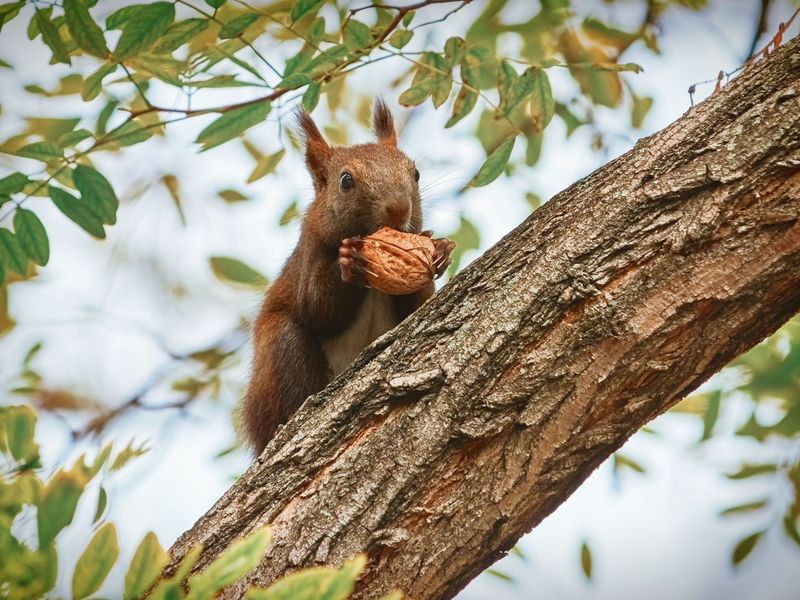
(352, 263)
(441, 255)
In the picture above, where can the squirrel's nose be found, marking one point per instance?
(398, 212)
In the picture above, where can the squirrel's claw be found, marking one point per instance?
(352, 264)
(441, 255)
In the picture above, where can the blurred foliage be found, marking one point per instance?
(495, 81)
(30, 565)
(198, 47)
(768, 384)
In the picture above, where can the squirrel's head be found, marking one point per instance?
(364, 187)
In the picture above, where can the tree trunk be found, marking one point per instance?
(465, 426)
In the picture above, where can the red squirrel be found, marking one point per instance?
(319, 315)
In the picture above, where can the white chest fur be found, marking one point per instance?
(374, 318)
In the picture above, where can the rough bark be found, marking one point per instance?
(460, 430)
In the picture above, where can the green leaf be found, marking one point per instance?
(104, 115)
(215, 4)
(102, 502)
(32, 236)
(743, 508)
(620, 460)
(711, 414)
(466, 238)
(745, 547)
(639, 109)
(178, 34)
(52, 38)
(11, 255)
(266, 165)
(301, 7)
(311, 96)
(592, 69)
(324, 60)
(316, 33)
(441, 90)
(415, 95)
(494, 164)
(356, 35)
(78, 211)
(119, 17)
(463, 105)
(93, 84)
(434, 77)
(51, 129)
(43, 151)
(95, 562)
(290, 214)
(454, 49)
(314, 583)
(401, 38)
(570, 120)
(187, 563)
(515, 88)
(499, 574)
(294, 81)
(231, 196)
(74, 137)
(217, 81)
(18, 429)
(9, 11)
(58, 505)
(233, 123)
(131, 133)
(543, 106)
(97, 192)
(753, 470)
(586, 560)
(144, 27)
(790, 527)
(86, 33)
(146, 565)
(237, 25)
(235, 562)
(235, 271)
(607, 35)
(11, 184)
(127, 454)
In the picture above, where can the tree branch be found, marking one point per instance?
(460, 430)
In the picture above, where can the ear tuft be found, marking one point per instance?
(383, 123)
(318, 152)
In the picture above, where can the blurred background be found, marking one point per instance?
(142, 337)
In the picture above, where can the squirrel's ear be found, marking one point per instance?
(318, 152)
(383, 123)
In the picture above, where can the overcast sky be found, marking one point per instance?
(108, 311)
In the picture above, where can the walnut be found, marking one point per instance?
(398, 262)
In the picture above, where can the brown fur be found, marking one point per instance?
(309, 305)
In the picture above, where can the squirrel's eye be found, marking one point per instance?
(416, 175)
(347, 182)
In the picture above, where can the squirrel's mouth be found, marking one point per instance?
(407, 227)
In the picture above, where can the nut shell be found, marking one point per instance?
(399, 263)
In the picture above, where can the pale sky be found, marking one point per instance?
(107, 310)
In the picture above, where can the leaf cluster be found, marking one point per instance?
(30, 567)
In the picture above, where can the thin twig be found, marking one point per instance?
(761, 26)
(240, 37)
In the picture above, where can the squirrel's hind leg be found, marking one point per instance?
(288, 367)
